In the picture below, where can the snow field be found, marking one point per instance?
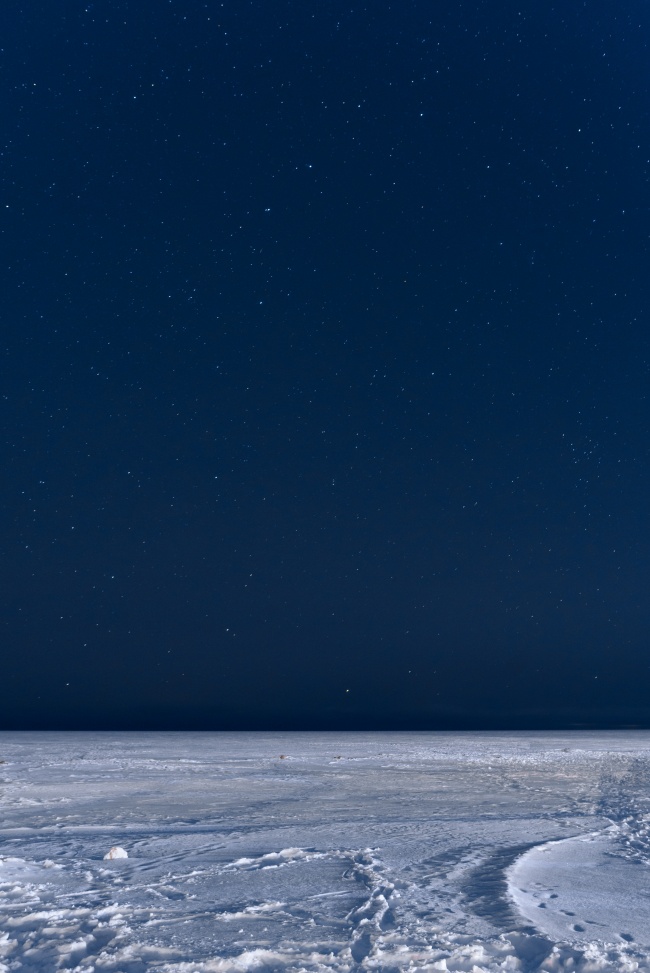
(377, 852)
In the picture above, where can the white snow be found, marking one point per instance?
(585, 889)
(115, 852)
(375, 852)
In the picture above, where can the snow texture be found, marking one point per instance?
(325, 853)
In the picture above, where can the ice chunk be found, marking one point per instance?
(116, 852)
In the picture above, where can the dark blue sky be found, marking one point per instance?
(325, 364)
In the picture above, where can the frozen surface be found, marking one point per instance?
(584, 886)
(325, 852)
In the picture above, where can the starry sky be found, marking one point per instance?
(325, 364)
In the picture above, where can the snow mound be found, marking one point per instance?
(116, 852)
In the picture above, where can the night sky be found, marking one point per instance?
(325, 364)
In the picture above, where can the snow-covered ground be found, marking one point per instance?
(325, 852)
